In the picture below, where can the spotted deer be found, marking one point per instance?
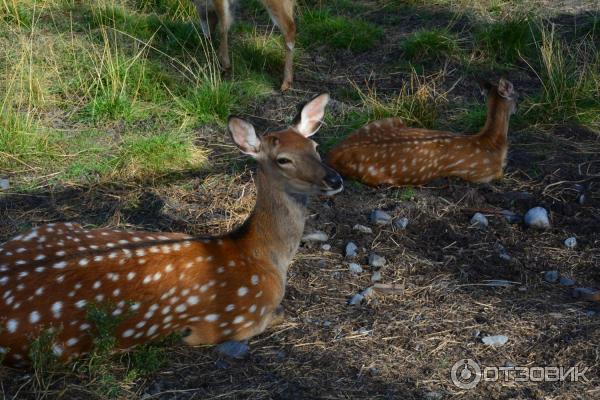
(389, 152)
(212, 12)
(214, 289)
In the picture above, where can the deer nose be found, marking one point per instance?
(333, 179)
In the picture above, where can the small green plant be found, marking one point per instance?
(43, 355)
(430, 45)
(321, 27)
(407, 193)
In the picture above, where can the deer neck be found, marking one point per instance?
(274, 229)
(495, 129)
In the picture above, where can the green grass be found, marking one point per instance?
(505, 42)
(320, 27)
(431, 45)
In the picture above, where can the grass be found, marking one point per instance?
(505, 42)
(570, 80)
(320, 27)
(431, 45)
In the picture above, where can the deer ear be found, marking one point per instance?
(506, 89)
(485, 86)
(309, 119)
(244, 136)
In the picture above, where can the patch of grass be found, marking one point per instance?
(416, 103)
(257, 52)
(431, 45)
(471, 119)
(42, 353)
(570, 82)
(209, 102)
(158, 153)
(505, 42)
(320, 27)
(16, 13)
(406, 193)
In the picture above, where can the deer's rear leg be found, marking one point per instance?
(282, 14)
(223, 10)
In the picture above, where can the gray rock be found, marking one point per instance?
(359, 297)
(585, 293)
(479, 220)
(351, 250)
(375, 260)
(511, 217)
(590, 313)
(434, 395)
(380, 217)
(355, 268)
(356, 299)
(505, 256)
(566, 281)
(551, 276)
(326, 247)
(233, 349)
(317, 236)
(537, 218)
(4, 184)
(571, 242)
(401, 223)
(376, 277)
(362, 228)
(497, 340)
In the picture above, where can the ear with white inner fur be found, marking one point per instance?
(309, 119)
(244, 136)
(505, 88)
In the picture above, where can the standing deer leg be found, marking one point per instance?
(282, 14)
(223, 11)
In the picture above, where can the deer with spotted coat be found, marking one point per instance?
(212, 289)
(389, 152)
(281, 12)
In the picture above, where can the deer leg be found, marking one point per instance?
(282, 14)
(223, 11)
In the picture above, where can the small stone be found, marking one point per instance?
(222, 364)
(317, 236)
(376, 277)
(376, 260)
(590, 313)
(380, 217)
(362, 228)
(326, 247)
(586, 294)
(401, 223)
(356, 299)
(4, 184)
(326, 324)
(434, 396)
(355, 268)
(497, 340)
(537, 218)
(351, 250)
(551, 276)
(479, 220)
(571, 242)
(233, 349)
(505, 256)
(566, 281)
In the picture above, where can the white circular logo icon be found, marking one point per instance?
(466, 374)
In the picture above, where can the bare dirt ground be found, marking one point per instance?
(400, 345)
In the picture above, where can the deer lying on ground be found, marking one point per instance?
(214, 289)
(388, 152)
(281, 12)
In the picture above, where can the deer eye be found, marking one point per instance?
(283, 161)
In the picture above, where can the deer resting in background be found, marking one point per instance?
(213, 289)
(281, 12)
(389, 152)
